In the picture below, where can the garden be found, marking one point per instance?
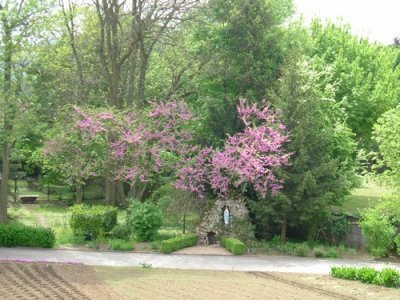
(173, 126)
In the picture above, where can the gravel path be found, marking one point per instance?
(179, 261)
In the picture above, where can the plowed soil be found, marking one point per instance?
(67, 281)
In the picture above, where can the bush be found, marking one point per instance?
(387, 277)
(301, 250)
(378, 230)
(397, 242)
(179, 242)
(233, 245)
(331, 253)
(319, 252)
(121, 245)
(144, 219)
(91, 221)
(349, 273)
(367, 275)
(121, 231)
(15, 235)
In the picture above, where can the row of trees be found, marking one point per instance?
(81, 81)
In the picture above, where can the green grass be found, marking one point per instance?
(365, 197)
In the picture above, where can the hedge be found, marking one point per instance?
(386, 277)
(90, 221)
(179, 242)
(233, 245)
(18, 235)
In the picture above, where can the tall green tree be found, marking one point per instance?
(365, 76)
(321, 166)
(18, 22)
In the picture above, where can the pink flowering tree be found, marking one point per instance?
(248, 158)
(124, 146)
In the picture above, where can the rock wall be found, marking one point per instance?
(212, 223)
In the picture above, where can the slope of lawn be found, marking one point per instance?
(364, 197)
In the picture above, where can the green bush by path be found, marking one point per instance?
(144, 219)
(121, 231)
(233, 245)
(90, 221)
(121, 245)
(18, 235)
(179, 242)
(387, 277)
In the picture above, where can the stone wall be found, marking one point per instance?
(212, 223)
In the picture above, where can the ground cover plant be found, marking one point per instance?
(386, 277)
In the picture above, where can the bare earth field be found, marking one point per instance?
(67, 281)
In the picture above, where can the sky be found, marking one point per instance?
(378, 20)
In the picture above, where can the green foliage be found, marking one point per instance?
(332, 228)
(121, 231)
(144, 219)
(233, 245)
(179, 242)
(367, 275)
(18, 235)
(364, 76)
(121, 245)
(92, 221)
(378, 230)
(387, 135)
(301, 250)
(349, 273)
(321, 172)
(386, 277)
(397, 242)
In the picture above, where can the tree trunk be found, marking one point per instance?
(283, 228)
(78, 193)
(110, 192)
(115, 194)
(4, 182)
(7, 57)
(142, 77)
(132, 77)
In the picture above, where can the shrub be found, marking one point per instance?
(144, 219)
(397, 242)
(121, 231)
(301, 250)
(331, 253)
(90, 221)
(121, 245)
(367, 275)
(378, 230)
(15, 235)
(387, 277)
(233, 245)
(332, 228)
(319, 252)
(179, 242)
(349, 273)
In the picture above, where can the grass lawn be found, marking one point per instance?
(57, 217)
(364, 197)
